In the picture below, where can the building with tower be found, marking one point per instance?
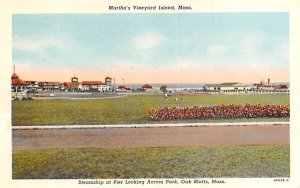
(108, 82)
(93, 86)
(18, 84)
(74, 83)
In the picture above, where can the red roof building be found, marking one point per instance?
(68, 85)
(124, 88)
(49, 85)
(147, 86)
(96, 83)
(16, 81)
(94, 86)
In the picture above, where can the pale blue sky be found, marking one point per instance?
(204, 40)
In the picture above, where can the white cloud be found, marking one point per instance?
(39, 43)
(218, 50)
(252, 50)
(148, 41)
(282, 50)
(250, 44)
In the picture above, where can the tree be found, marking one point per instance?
(163, 88)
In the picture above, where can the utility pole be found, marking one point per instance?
(114, 85)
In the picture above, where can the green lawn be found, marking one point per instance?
(170, 162)
(125, 110)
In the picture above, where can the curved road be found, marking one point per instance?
(151, 137)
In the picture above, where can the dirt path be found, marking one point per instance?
(151, 137)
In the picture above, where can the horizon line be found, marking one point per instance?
(161, 83)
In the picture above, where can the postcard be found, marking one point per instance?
(150, 93)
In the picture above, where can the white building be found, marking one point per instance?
(94, 86)
(227, 87)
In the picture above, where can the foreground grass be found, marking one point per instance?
(170, 162)
(125, 110)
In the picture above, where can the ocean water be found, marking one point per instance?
(179, 86)
(174, 86)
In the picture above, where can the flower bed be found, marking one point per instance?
(220, 111)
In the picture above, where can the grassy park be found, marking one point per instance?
(144, 162)
(170, 162)
(126, 110)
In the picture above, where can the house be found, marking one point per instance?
(66, 86)
(33, 85)
(94, 86)
(49, 85)
(70, 86)
(123, 89)
(75, 85)
(147, 87)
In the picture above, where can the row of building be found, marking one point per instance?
(18, 84)
(241, 87)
